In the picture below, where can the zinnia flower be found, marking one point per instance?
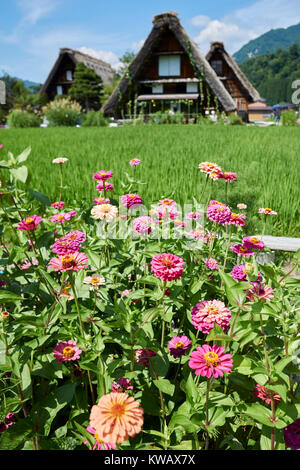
(237, 219)
(179, 345)
(69, 243)
(122, 385)
(63, 217)
(134, 162)
(167, 267)
(241, 206)
(210, 361)
(9, 420)
(102, 185)
(197, 234)
(142, 225)
(193, 216)
(239, 273)
(211, 263)
(219, 213)
(105, 212)
(29, 264)
(129, 200)
(99, 445)
(211, 169)
(266, 211)
(95, 281)
(125, 292)
(103, 175)
(66, 351)
(60, 160)
(259, 292)
(208, 312)
(58, 205)
(143, 356)
(292, 435)
(30, 223)
(264, 394)
(167, 202)
(253, 242)
(116, 417)
(71, 262)
(101, 200)
(242, 250)
(228, 176)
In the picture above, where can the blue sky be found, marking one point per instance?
(32, 31)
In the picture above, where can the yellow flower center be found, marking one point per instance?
(212, 358)
(117, 410)
(131, 195)
(95, 280)
(234, 216)
(254, 240)
(166, 261)
(67, 260)
(267, 209)
(68, 352)
(60, 217)
(29, 220)
(97, 438)
(243, 249)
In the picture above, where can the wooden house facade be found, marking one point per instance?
(61, 75)
(233, 79)
(169, 73)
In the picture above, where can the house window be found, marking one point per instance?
(169, 66)
(157, 88)
(69, 75)
(192, 87)
(59, 90)
(217, 65)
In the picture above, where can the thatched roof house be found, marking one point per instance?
(234, 80)
(61, 75)
(169, 70)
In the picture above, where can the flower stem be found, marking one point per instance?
(77, 305)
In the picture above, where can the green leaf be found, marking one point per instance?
(26, 381)
(40, 197)
(8, 296)
(235, 291)
(20, 173)
(259, 413)
(191, 389)
(165, 386)
(180, 420)
(242, 364)
(16, 434)
(24, 155)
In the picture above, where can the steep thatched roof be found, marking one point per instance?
(160, 23)
(246, 85)
(103, 69)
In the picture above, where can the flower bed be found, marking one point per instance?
(129, 328)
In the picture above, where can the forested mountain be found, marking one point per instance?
(269, 42)
(273, 74)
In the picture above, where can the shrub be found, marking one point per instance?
(20, 118)
(288, 118)
(94, 119)
(235, 120)
(62, 112)
(164, 117)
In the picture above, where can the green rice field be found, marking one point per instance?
(266, 160)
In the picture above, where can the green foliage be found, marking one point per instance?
(21, 119)
(288, 118)
(86, 87)
(94, 119)
(235, 120)
(165, 117)
(62, 112)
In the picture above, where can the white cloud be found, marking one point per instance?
(34, 10)
(137, 45)
(244, 24)
(107, 56)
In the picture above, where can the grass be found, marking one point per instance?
(266, 160)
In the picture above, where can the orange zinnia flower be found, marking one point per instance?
(116, 417)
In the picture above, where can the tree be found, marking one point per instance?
(87, 87)
(126, 60)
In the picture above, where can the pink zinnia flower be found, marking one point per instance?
(1, 146)
(134, 162)
(193, 216)
(197, 234)
(101, 200)
(167, 202)
(179, 345)
(219, 213)
(60, 160)
(9, 420)
(179, 223)
(292, 435)
(122, 385)
(242, 250)
(253, 242)
(58, 205)
(211, 263)
(102, 185)
(164, 212)
(210, 361)
(266, 211)
(208, 312)
(66, 351)
(129, 200)
(228, 176)
(103, 175)
(142, 225)
(211, 169)
(167, 267)
(30, 223)
(237, 219)
(29, 264)
(63, 217)
(143, 356)
(71, 262)
(69, 243)
(238, 273)
(125, 292)
(264, 394)
(99, 445)
(259, 292)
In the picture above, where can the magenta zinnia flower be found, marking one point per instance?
(264, 394)
(211, 263)
(237, 219)
(103, 175)
(101, 200)
(219, 213)
(102, 185)
(142, 225)
(210, 361)
(208, 312)
(259, 292)
(242, 250)
(179, 345)
(292, 435)
(193, 216)
(228, 176)
(266, 211)
(66, 351)
(30, 223)
(69, 243)
(99, 445)
(71, 262)
(167, 202)
(63, 217)
(238, 273)
(122, 385)
(143, 356)
(129, 200)
(58, 205)
(253, 242)
(134, 162)
(167, 267)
